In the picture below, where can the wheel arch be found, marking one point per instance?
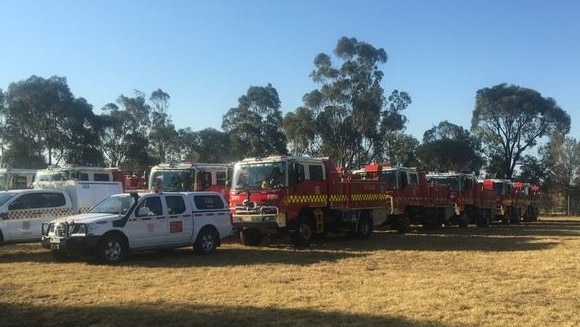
(210, 227)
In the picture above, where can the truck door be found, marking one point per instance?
(180, 221)
(28, 211)
(148, 229)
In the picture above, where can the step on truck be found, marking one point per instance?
(304, 198)
(131, 222)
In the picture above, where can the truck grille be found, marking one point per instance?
(60, 230)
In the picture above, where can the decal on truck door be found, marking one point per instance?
(176, 227)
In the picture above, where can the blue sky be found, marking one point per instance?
(206, 54)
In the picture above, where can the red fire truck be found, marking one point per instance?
(473, 201)
(190, 176)
(415, 201)
(515, 201)
(303, 197)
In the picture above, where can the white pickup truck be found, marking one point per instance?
(126, 223)
(22, 212)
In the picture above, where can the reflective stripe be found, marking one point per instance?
(39, 213)
(321, 198)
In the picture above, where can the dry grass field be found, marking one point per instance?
(526, 275)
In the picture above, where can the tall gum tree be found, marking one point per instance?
(509, 120)
(254, 125)
(349, 109)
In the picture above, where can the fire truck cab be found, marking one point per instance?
(189, 176)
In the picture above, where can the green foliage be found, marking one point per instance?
(509, 120)
(300, 130)
(449, 147)
(212, 146)
(254, 126)
(562, 163)
(347, 118)
(45, 113)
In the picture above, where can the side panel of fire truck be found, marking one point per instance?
(414, 200)
(473, 203)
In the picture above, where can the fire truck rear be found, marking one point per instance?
(304, 198)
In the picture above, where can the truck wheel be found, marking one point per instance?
(303, 236)
(364, 228)
(483, 220)
(463, 220)
(206, 241)
(404, 224)
(62, 257)
(111, 249)
(251, 237)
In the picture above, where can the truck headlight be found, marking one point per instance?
(81, 229)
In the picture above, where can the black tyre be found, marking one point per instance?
(403, 224)
(483, 221)
(207, 241)
(112, 249)
(1, 238)
(251, 237)
(304, 233)
(364, 227)
(463, 221)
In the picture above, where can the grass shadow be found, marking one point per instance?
(171, 314)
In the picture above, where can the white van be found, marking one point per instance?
(22, 212)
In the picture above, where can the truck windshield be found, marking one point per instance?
(114, 205)
(52, 176)
(254, 176)
(452, 181)
(173, 180)
(390, 179)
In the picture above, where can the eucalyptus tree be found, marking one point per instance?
(353, 118)
(81, 141)
(403, 150)
(562, 157)
(254, 125)
(300, 130)
(509, 120)
(125, 133)
(391, 129)
(449, 147)
(213, 146)
(44, 117)
(187, 141)
(162, 136)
